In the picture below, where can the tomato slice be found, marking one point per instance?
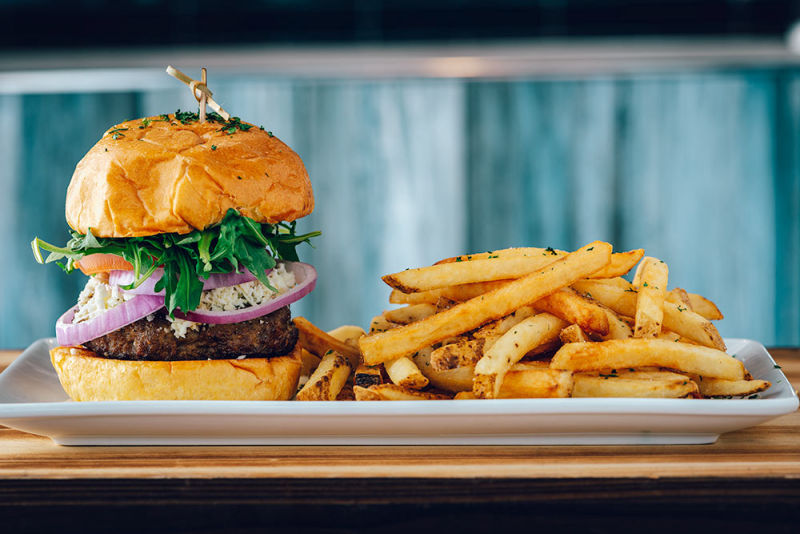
(102, 263)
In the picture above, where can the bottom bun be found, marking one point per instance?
(88, 377)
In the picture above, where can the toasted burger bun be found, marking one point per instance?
(88, 377)
(170, 177)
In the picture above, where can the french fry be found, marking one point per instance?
(621, 262)
(692, 326)
(679, 296)
(379, 323)
(634, 353)
(573, 334)
(492, 331)
(327, 380)
(366, 376)
(453, 380)
(509, 349)
(405, 373)
(410, 314)
(715, 387)
(617, 327)
(348, 334)
(516, 252)
(669, 335)
(393, 392)
(566, 304)
(365, 394)
(624, 383)
(407, 339)
(465, 395)
(457, 293)
(528, 380)
(652, 274)
(464, 352)
(310, 362)
(319, 342)
(420, 297)
(480, 270)
(705, 307)
(678, 319)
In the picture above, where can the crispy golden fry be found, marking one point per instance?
(481, 270)
(405, 373)
(715, 387)
(405, 340)
(669, 335)
(393, 392)
(573, 334)
(420, 297)
(464, 352)
(516, 252)
(465, 395)
(348, 334)
(379, 323)
(649, 316)
(453, 380)
(617, 281)
(618, 328)
(705, 307)
(634, 353)
(679, 296)
(692, 326)
(531, 380)
(622, 301)
(327, 380)
(457, 293)
(366, 376)
(678, 319)
(621, 262)
(509, 349)
(318, 342)
(410, 314)
(458, 273)
(460, 293)
(365, 394)
(492, 331)
(625, 383)
(310, 362)
(566, 304)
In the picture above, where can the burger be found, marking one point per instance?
(186, 229)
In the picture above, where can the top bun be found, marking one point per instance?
(153, 176)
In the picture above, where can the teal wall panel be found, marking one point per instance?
(787, 211)
(702, 169)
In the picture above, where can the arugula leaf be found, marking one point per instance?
(187, 259)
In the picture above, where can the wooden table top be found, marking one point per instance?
(756, 465)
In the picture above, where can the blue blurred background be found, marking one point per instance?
(431, 131)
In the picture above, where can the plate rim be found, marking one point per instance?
(786, 402)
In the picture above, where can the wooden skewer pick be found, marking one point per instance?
(204, 98)
(200, 91)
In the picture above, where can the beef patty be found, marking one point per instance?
(270, 335)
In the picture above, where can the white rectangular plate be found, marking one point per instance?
(32, 400)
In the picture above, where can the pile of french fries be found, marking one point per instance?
(529, 323)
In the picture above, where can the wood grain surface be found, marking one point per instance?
(771, 450)
(747, 481)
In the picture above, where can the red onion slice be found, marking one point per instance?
(305, 278)
(217, 280)
(69, 333)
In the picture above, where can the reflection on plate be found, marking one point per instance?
(32, 400)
